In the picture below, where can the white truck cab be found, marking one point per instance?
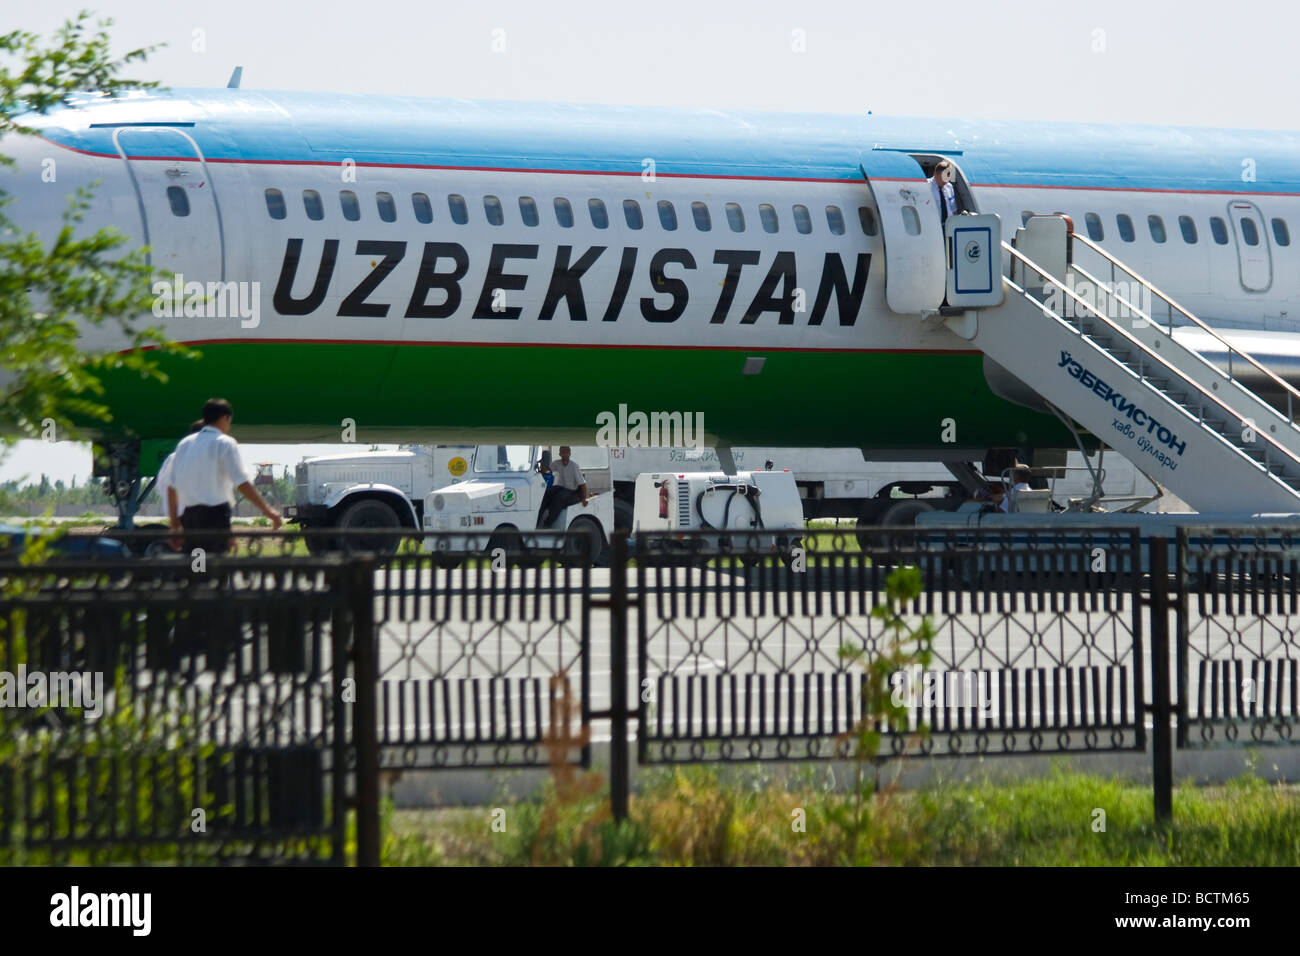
(497, 507)
(372, 489)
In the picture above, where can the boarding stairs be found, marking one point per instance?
(1108, 359)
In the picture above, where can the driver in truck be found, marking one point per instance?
(569, 488)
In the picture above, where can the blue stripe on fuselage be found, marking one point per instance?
(328, 128)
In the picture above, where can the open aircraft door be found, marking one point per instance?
(915, 262)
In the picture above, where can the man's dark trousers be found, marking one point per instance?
(207, 527)
(554, 501)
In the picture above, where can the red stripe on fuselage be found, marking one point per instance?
(611, 172)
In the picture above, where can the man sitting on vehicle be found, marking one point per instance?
(570, 487)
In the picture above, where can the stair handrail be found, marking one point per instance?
(1160, 360)
(1292, 393)
(1196, 355)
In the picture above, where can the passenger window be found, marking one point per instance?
(564, 213)
(599, 214)
(1093, 222)
(835, 220)
(180, 202)
(1280, 232)
(459, 209)
(1188, 228)
(868, 219)
(667, 215)
(422, 208)
(1025, 216)
(767, 216)
(911, 221)
(700, 212)
(1125, 225)
(348, 203)
(496, 216)
(528, 211)
(387, 208)
(274, 203)
(1157, 227)
(1249, 232)
(802, 221)
(632, 214)
(312, 205)
(735, 217)
(1219, 230)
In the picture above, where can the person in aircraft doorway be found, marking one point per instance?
(943, 190)
(945, 197)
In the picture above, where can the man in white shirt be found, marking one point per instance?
(164, 479)
(206, 471)
(569, 488)
(1021, 477)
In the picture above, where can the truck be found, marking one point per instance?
(840, 483)
(373, 489)
(749, 512)
(388, 489)
(497, 505)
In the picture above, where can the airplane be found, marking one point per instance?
(440, 270)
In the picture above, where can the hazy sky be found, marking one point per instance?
(1193, 62)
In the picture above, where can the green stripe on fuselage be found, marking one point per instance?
(304, 391)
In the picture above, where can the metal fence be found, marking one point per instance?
(274, 687)
(1238, 643)
(482, 664)
(155, 712)
(1037, 647)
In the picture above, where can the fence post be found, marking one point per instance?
(1162, 753)
(364, 721)
(619, 769)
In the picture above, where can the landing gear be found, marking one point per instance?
(118, 464)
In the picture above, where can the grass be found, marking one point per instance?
(693, 817)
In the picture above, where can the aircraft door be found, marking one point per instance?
(975, 247)
(915, 263)
(1253, 255)
(178, 203)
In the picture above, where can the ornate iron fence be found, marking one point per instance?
(1238, 663)
(162, 713)
(268, 689)
(1037, 646)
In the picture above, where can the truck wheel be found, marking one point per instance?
(584, 542)
(318, 543)
(507, 538)
(624, 516)
(903, 513)
(369, 513)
